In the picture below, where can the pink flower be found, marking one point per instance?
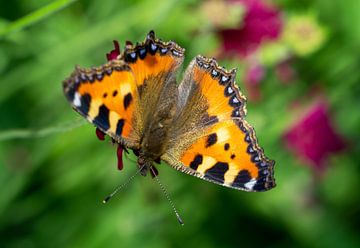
(253, 76)
(313, 138)
(115, 52)
(261, 22)
(285, 72)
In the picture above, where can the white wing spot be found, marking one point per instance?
(125, 88)
(222, 134)
(77, 101)
(250, 185)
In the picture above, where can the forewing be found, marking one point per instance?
(152, 58)
(154, 64)
(107, 96)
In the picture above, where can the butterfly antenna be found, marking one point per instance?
(167, 197)
(121, 186)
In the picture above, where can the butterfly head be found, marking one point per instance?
(143, 163)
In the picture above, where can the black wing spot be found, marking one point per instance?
(163, 51)
(99, 76)
(232, 156)
(211, 140)
(115, 93)
(196, 162)
(242, 177)
(85, 104)
(127, 100)
(142, 52)
(130, 57)
(224, 79)
(119, 127)
(235, 113)
(152, 48)
(226, 146)
(217, 172)
(102, 119)
(234, 101)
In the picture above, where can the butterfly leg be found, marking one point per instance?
(119, 157)
(100, 134)
(153, 171)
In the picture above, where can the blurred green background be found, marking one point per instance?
(299, 66)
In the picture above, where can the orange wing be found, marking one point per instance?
(214, 142)
(107, 96)
(121, 97)
(152, 58)
(154, 64)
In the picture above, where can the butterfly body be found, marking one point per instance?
(158, 124)
(197, 126)
(153, 142)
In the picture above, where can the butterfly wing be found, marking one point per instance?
(154, 64)
(152, 58)
(106, 96)
(210, 138)
(122, 96)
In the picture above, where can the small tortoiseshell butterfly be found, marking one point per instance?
(197, 127)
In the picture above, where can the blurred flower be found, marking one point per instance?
(313, 137)
(221, 14)
(261, 22)
(303, 34)
(115, 52)
(285, 72)
(270, 53)
(253, 76)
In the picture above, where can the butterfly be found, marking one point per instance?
(197, 126)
